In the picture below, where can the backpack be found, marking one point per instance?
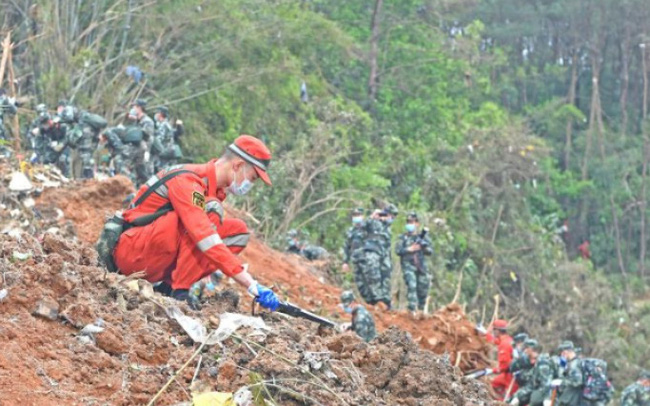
(133, 135)
(94, 121)
(116, 225)
(596, 386)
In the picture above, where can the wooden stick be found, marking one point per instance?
(6, 45)
(12, 87)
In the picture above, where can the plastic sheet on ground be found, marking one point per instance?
(20, 182)
(228, 324)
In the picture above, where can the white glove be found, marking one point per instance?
(547, 402)
(489, 371)
(36, 131)
(556, 383)
(515, 402)
(480, 329)
(345, 326)
(179, 122)
(147, 155)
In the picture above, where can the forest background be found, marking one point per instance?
(517, 129)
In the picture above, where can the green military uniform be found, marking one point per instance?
(372, 258)
(353, 250)
(414, 269)
(540, 378)
(387, 263)
(362, 322)
(637, 394)
(572, 382)
(164, 150)
(115, 146)
(521, 367)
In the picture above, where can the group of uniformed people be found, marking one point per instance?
(80, 143)
(368, 249)
(527, 376)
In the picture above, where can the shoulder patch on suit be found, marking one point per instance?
(198, 200)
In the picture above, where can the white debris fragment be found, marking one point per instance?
(20, 182)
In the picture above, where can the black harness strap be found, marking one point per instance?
(162, 210)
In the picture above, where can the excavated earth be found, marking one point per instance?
(54, 289)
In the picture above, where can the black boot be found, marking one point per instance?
(184, 295)
(163, 288)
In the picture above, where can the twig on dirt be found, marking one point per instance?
(196, 370)
(288, 361)
(173, 378)
(284, 389)
(183, 389)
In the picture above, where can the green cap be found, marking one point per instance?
(412, 216)
(358, 211)
(644, 374)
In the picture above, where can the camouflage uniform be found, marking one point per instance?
(414, 269)
(353, 254)
(144, 169)
(162, 148)
(362, 322)
(115, 146)
(7, 108)
(371, 261)
(387, 264)
(540, 378)
(571, 384)
(82, 140)
(521, 368)
(637, 394)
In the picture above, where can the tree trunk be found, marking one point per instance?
(373, 81)
(642, 243)
(625, 79)
(571, 100)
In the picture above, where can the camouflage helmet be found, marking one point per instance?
(140, 103)
(392, 210)
(292, 233)
(358, 211)
(163, 110)
(644, 374)
(532, 343)
(520, 338)
(347, 297)
(41, 108)
(412, 216)
(566, 345)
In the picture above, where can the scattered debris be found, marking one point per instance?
(47, 309)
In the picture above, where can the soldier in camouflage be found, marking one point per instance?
(7, 108)
(413, 245)
(138, 153)
(111, 139)
(353, 249)
(638, 394)
(38, 135)
(535, 372)
(163, 148)
(362, 322)
(372, 258)
(572, 383)
(518, 345)
(304, 249)
(391, 212)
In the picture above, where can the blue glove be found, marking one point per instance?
(266, 298)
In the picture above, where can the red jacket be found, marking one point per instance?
(504, 355)
(188, 193)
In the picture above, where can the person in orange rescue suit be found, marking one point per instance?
(183, 245)
(503, 341)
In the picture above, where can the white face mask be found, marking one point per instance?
(240, 189)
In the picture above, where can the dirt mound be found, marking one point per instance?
(446, 331)
(88, 203)
(48, 360)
